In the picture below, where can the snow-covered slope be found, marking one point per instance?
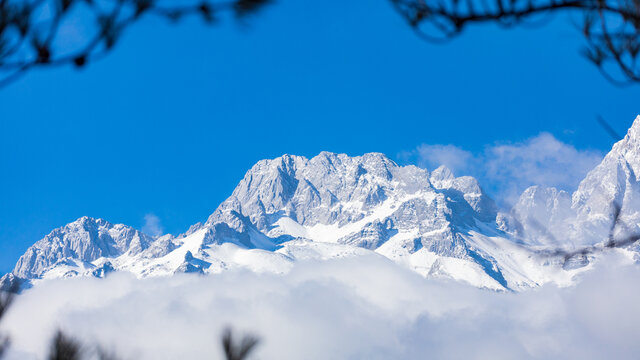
(546, 216)
(334, 205)
(543, 215)
(78, 244)
(613, 183)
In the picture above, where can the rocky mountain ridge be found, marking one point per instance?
(332, 205)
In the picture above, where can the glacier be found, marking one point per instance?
(333, 205)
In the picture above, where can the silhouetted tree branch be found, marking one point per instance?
(64, 347)
(611, 28)
(235, 350)
(31, 36)
(617, 226)
(6, 298)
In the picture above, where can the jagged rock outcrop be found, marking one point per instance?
(546, 216)
(85, 239)
(613, 183)
(335, 205)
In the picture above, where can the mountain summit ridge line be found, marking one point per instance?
(332, 205)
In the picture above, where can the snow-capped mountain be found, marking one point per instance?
(547, 216)
(543, 216)
(333, 205)
(613, 183)
(84, 240)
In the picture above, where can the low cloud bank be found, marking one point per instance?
(358, 308)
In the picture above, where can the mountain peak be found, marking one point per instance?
(87, 220)
(332, 204)
(442, 174)
(629, 146)
(85, 239)
(542, 214)
(611, 184)
(376, 156)
(634, 131)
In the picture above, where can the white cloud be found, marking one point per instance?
(453, 157)
(152, 225)
(541, 160)
(356, 308)
(507, 169)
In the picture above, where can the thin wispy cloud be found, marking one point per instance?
(152, 225)
(508, 169)
(455, 158)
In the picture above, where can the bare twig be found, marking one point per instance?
(611, 28)
(610, 243)
(6, 299)
(605, 125)
(64, 347)
(30, 35)
(234, 350)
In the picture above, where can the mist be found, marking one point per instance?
(364, 307)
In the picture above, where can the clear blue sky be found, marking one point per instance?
(169, 122)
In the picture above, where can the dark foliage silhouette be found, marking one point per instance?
(6, 298)
(64, 347)
(31, 36)
(237, 350)
(611, 28)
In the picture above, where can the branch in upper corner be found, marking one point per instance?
(611, 28)
(35, 33)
